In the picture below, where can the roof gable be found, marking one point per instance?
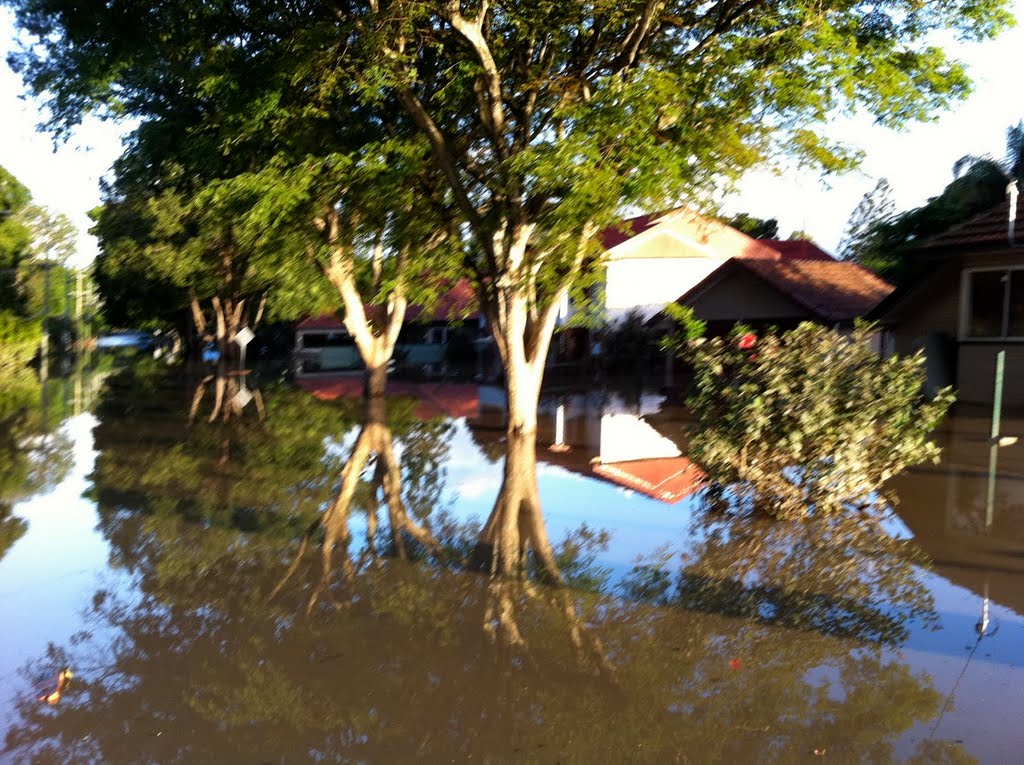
(985, 230)
(833, 290)
(702, 237)
(829, 290)
(703, 234)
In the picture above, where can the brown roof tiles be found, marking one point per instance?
(831, 289)
(987, 229)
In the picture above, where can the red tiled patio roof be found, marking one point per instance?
(668, 479)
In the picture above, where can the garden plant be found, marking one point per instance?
(810, 421)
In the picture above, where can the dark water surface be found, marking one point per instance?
(179, 570)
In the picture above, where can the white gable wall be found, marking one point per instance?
(649, 284)
(656, 267)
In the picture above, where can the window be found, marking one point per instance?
(437, 336)
(993, 304)
(327, 340)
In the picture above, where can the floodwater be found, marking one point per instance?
(178, 568)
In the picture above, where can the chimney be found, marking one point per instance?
(1011, 192)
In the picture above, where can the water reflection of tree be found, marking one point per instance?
(410, 488)
(843, 576)
(34, 454)
(211, 492)
(207, 666)
(401, 672)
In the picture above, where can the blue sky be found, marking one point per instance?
(917, 161)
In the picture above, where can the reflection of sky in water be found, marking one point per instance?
(52, 572)
(50, 576)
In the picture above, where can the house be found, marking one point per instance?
(966, 306)
(652, 259)
(427, 341)
(776, 284)
(784, 292)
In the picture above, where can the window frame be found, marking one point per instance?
(965, 305)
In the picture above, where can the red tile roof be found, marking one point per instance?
(725, 240)
(797, 249)
(458, 304)
(833, 290)
(668, 479)
(615, 235)
(985, 230)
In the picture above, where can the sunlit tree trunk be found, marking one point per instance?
(375, 440)
(375, 338)
(516, 524)
(514, 528)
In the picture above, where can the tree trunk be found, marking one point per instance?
(376, 344)
(515, 527)
(516, 523)
(376, 381)
(523, 381)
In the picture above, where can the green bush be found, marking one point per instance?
(19, 340)
(808, 421)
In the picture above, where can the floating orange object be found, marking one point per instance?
(735, 664)
(63, 678)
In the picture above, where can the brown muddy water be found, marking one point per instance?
(178, 569)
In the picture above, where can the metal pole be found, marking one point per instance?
(993, 451)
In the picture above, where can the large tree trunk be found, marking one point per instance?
(516, 524)
(376, 381)
(374, 440)
(515, 528)
(523, 383)
(522, 318)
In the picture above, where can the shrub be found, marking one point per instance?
(19, 340)
(629, 344)
(809, 421)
